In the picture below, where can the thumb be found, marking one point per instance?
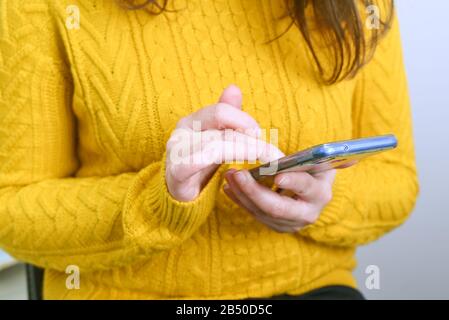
(232, 95)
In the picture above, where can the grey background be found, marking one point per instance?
(414, 259)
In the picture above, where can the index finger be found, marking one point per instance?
(270, 202)
(221, 116)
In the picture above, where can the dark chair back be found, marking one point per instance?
(35, 282)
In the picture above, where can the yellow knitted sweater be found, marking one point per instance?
(84, 117)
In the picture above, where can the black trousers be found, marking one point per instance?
(326, 293)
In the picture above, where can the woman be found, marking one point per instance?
(92, 91)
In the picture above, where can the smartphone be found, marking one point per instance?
(332, 155)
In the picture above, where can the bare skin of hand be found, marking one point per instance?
(227, 133)
(279, 212)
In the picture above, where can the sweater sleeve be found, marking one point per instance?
(49, 217)
(379, 193)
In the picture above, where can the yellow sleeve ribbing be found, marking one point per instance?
(47, 216)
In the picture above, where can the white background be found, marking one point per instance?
(414, 259)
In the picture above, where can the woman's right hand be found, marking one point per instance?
(209, 137)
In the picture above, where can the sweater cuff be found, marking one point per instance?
(183, 218)
(336, 210)
(155, 214)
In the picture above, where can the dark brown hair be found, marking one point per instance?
(334, 30)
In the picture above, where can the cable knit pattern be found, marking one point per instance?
(85, 115)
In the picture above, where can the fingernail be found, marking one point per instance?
(232, 86)
(226, 187)
(282, 181)
(240, 177)
(229, 173)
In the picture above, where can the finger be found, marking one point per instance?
(232, 95)
(183, 190)
(277, 222)
(246, 205)
(221, 116)
(278, 225)
(270, 202)
(347, 164)
(234, 146)
(217, 148)
(234, 194)
(306, 186)
(252, 209)
(183, 171)
(282, 229)
(327, 176)
(245, 148)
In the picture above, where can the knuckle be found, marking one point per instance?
(308, 183)
(174, 171)
(309, 218)
(169, 144)
(327, 194)
(186, 194)
(277, 211)
(299, 184)
(220, 112)
(248, 189)
(175, 138)
(182, 122)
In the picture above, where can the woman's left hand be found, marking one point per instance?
(279, 212)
